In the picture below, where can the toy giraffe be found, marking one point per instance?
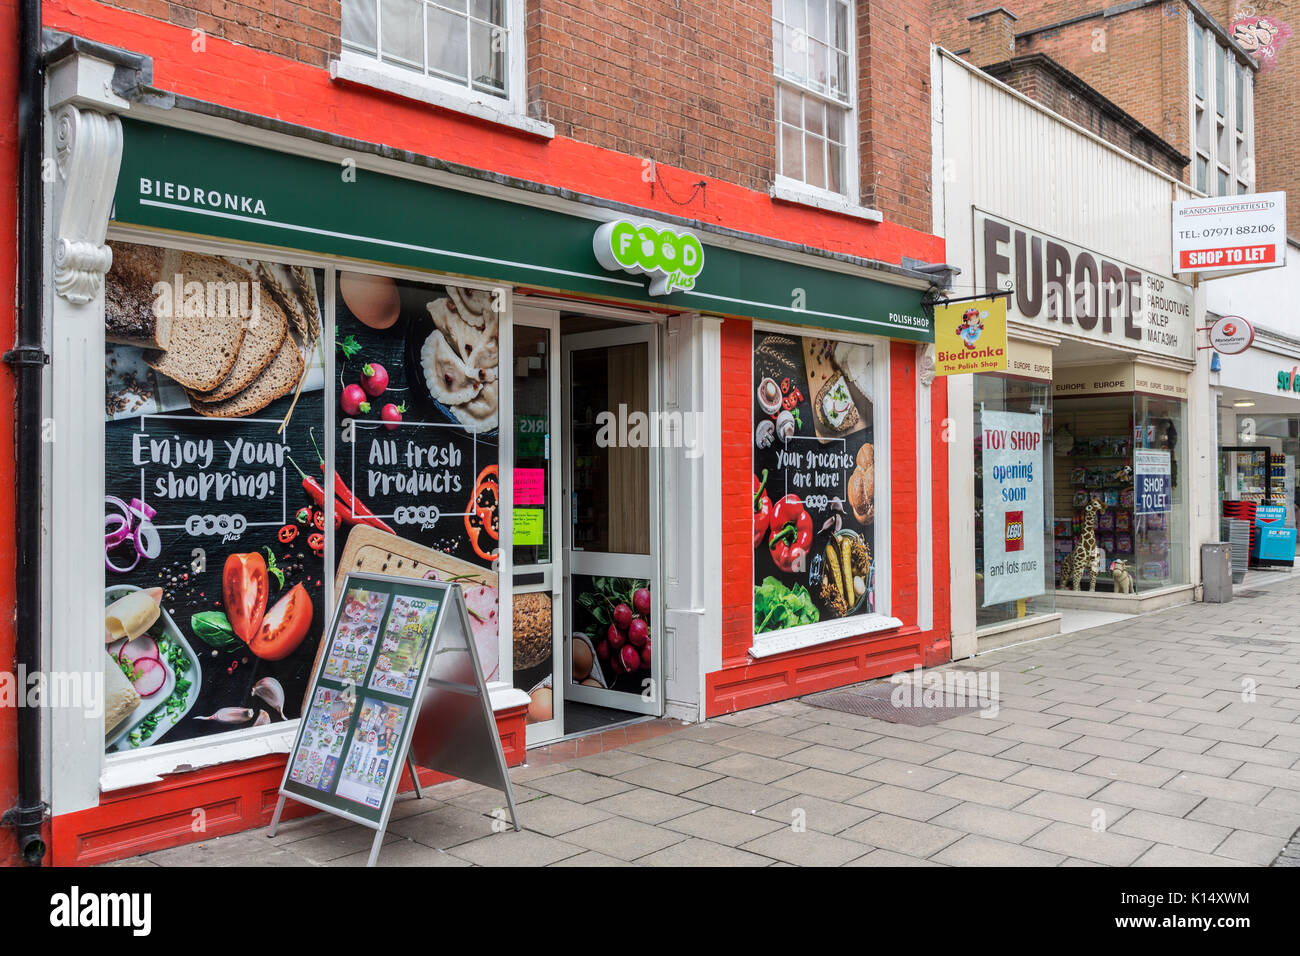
(1084, 556)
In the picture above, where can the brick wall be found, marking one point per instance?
(1277, 89)
(1031, 77)
(302, 30)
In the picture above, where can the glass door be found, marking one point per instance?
(538, 585)
(613, 652)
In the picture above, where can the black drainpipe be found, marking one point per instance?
(28, 360)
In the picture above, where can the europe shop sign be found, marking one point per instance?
(1013, 506)
(1229, 234)
(1082, 294)
(970, 337)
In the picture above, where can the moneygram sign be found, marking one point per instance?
(671, 259)
(1230, 234)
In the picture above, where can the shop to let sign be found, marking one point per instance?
(970, 337)
(1230, 233)
(1153, 482)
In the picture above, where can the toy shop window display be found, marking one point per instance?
(1121, 503)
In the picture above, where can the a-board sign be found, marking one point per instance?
(398, 665)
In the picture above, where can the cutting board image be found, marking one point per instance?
(378, 552)
(819, 365)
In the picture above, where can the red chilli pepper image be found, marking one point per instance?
(762, 509)
(346, 506)
(792, 534)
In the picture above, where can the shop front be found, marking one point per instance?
(278, 358)
(1098, 365)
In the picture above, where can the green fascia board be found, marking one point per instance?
(330, 209)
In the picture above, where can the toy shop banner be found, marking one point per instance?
(970, 337)
(1013, 505)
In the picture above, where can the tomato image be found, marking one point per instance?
(245, 588)
(283, 628)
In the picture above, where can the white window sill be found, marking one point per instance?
(151, 764)
(823, 632)
(349, 70)
(800, 195)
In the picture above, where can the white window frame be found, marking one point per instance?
(824, 632)
(1240, 173)
(510, 109)
(796, 190)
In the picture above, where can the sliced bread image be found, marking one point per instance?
(278, 379)
(202, 349)
(129, 314)
(262, 341)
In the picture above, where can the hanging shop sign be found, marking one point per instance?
(1231, 335)
(1013, 505)
(1082, 294)
(1230, 234)
(970, 337)
(671, 259)
(1152, 482)
(185, 182)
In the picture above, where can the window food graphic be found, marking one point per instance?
(416, 437)
(372, 751)
(324, 731)
(213, 517)
(356, 636)
(813, 491)
(409, 630)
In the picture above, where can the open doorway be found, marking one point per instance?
(586, 522)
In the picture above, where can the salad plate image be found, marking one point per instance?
(151, 674)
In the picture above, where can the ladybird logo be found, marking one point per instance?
(672, 260)
(1015, 531)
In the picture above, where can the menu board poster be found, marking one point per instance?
(416, 439)
(813, 490)
(213, 543)
(352, 742)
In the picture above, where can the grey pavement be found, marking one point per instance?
(1169, 739)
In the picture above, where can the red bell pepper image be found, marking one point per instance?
(762, 509)
(792, 534)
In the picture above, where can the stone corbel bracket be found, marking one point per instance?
(88, 156)
(925, 364)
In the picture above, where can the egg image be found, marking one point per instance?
(581, 660)
(372, 299)
(539, 705)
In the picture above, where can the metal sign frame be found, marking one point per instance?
(449, 725)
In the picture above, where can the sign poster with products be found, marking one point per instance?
(416, 447)
(970, 337)
(813, 491)
(213, 545)
(1012, 445)
(352, 745)
(1153, 482)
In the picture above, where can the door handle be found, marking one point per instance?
(686, 610)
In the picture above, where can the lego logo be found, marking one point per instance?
(1015, 532)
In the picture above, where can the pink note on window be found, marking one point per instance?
(530, 486)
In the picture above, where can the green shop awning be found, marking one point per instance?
(187, 182)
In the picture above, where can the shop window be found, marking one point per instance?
(813, 61)
(419, 445)
(214, 541)
(1014, 504)
(468, 45)
(227, 487)
(820, 539)
(1121, 459)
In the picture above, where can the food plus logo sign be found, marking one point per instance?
(672, 260)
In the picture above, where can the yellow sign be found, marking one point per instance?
(970, 337)
(528, 526)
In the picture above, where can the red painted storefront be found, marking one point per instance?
(240, 795)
